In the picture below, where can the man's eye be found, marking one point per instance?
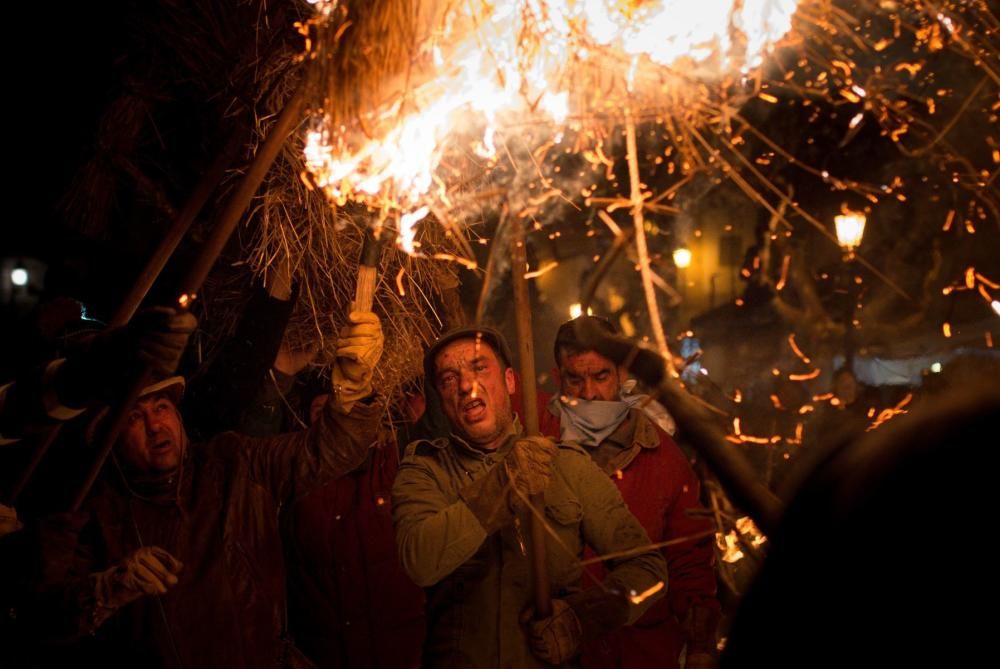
(602, 376)
(479, 368)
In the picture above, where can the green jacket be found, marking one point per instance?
(479, 583)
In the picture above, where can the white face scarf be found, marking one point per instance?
(590, 422)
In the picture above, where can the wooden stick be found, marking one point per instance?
(640, 242)
(364, 294)
(529, 407)
(48, 437)
(193, 206)
(210, 252)
(154, 266)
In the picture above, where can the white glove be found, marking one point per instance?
(359, 348)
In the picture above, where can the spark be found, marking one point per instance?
(798, 352)
(541, 270)
(646, 594)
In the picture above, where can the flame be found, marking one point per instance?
(488, 63)
(729, 544)
(746, 527)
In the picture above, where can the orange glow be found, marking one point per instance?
(946, 329)
(983, 279)
(804, 377)
(486, 64)
(729, 544)
(889, 414)
(796, 350)
(399, 282)
(785, 261)
(646, 594)
(746, 527)
(949, 220)
(541, 270)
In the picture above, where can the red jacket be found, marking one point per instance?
(351, 603)
(658, 486)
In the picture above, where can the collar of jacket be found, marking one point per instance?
(464, 447)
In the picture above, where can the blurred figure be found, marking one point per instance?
(879, 558)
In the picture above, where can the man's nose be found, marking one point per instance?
(466, 380)
(153, 424)
(590, 390)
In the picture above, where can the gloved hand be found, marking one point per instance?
(700, 627)
(148, 571)
(494, 497)
(529, 466)
(358, 349)
(154, 337)
(8, 520)
(555, 639)
(160, 335)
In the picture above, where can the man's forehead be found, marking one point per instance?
(586, 360)
(154, 397)
(464, 351)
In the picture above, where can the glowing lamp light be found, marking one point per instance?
(682, 257)
(996, 306)
(936, 367)
(19, 276)
(850, 229)
(576, 310)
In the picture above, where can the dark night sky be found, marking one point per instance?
(57, 87)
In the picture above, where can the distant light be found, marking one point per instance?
(19, 276)
(576, 310)
(850, 228)
(996, 306)
(682, 257)
(936, 367)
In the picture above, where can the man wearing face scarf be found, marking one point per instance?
(630, 440)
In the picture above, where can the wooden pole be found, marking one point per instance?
(180, 227)
(198, 272)
(529, 400)
(732, 469)
(371, 251)
(640, 240)
(154, 266)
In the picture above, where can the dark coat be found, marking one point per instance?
(220, 518)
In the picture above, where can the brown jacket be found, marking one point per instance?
(220, 518)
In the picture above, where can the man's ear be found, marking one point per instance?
(508, 377)
(622, 375)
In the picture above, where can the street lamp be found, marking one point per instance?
(19, 276)
(682, 257)
(850, 229)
